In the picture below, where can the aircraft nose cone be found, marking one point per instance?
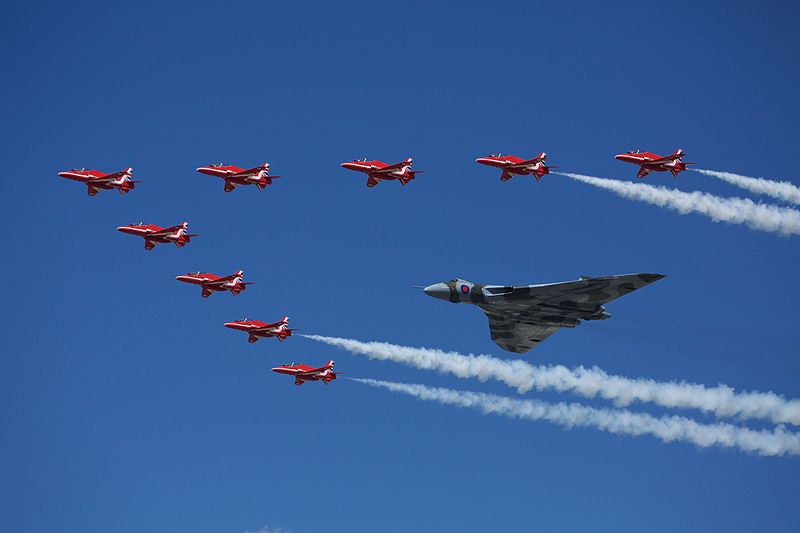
(438, 290)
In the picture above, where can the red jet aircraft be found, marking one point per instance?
(303, 373)
(153, 234)
(257, 329)
(512, 165)
(234, 176)
(649, 162)
(96, 180)
(213, 283)
(379, 171)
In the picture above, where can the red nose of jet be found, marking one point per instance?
(128, 229)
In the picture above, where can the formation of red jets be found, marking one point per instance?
(376, 171)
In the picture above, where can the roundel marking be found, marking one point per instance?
(464, 289)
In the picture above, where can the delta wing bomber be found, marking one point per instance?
(523, 316)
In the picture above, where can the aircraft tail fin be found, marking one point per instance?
(679, 166)
(409, 175)
(542, 171)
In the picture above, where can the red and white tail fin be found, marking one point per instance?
(677, 154)
(328, 365)
(542, 156)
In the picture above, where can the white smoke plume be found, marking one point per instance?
(782, 190)
(722, 400)
(619, 421)
(764, 217)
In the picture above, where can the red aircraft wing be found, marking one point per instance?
(391, 168)
(221, 280)
(246, 173)
(163, 232)
(115, 175)
(528, 162)
(251, 172)
(677, 154)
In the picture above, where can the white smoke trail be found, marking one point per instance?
(619, 421)
(721, 400)
(782, 190)
(764, 217)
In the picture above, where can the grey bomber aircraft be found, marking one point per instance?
(522, 317)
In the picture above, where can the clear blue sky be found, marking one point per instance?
(125, 405)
